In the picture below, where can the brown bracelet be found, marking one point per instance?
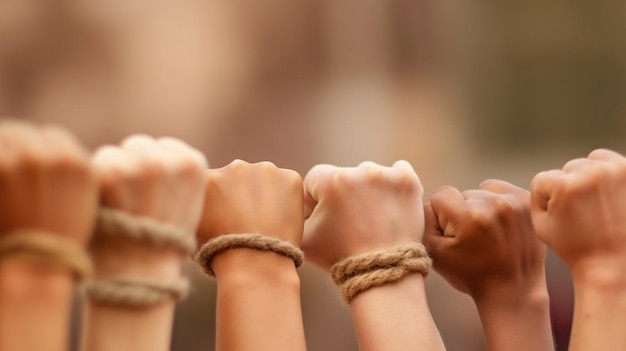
(113, 222)
(134, 292)
(359, 273)
(252, 241)
(47, 249)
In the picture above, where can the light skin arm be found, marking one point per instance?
(579, 212)
(258, 293)
(483, 243)
(370, 207)
(162, 179)
(46, 184)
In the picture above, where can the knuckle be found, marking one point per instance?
(292, 177)
(188, 168)
(373, 176)
(480, 218)
(237, 164)
(267, 166)
(341, 178)
(150, 168)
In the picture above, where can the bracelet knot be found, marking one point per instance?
(359, 273)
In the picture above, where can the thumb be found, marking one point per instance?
(433, 233)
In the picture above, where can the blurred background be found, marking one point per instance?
(464, 90)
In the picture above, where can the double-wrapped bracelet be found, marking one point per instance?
(359, 273)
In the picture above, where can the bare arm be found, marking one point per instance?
(483, 244)
(579, 211)
(354, 211)
(258, 302)
(163, 180)
(48, 188)
(258, 292)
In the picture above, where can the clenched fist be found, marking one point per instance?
(580, 212)
(46, 182)
(355, 210)
(482, 241)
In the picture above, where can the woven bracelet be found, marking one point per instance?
(47, 249)
(359, 273)
(134, 292)
(113, 222)
(252, 241)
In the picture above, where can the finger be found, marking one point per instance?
(578, 164)
(110, 158)
(184, 149)
(405, 168)
(308, 204)
(448, 206)
(24, 139)
(542, 188)
(368, 164)
(316, 178)
(606, 156)
(472, 194)
(433, 234)
(110, 165)
(57, 138)
(502, 187)
(148, 156)
(140, 144)
(314, 183)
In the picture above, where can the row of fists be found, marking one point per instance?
(579, 211)
(482, 241)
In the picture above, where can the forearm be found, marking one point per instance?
(110, 327)
(34, 306)
(599, 312)
(395, 316)
(258, 302)
(113, 328)
(514, 321)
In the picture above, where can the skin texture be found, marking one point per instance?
(355, 210)
(579, 211)
(46, 184)
(483, 243)
(161, 179)
(258, 293)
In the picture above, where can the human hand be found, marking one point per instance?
(46, 182)
(162, 179)
(255, 198)
(580, 212)
(355, 210)
(483, 242)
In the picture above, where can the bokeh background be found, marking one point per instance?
(464, 90)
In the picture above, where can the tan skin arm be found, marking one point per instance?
(483, 243)
(258, 293)
(46, 184)
(355, 210)
(579, 211)
(162, 179)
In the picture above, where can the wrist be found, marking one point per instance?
(603, 277)
(120, 256)
(408, 288)
(244, 266)
(26, 278)
(513, 297)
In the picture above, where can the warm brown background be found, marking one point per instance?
(465, 90)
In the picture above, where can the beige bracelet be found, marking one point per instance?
(359, 273)
(47, 249)
(253, 241)
(134, 292)
(113, 222)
